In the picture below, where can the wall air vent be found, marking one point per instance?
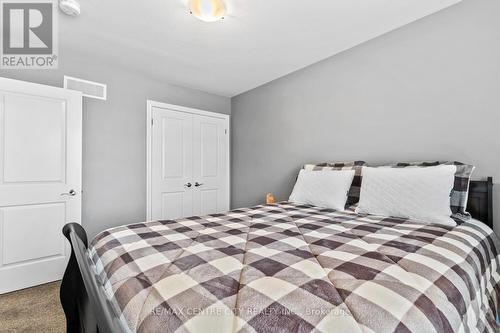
(88, 88)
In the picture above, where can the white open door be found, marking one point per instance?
(40, 180)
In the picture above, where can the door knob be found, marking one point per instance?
(188, 185)
(71, 193)
(198, 184)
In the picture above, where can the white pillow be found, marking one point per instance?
(323, 188)
(417, 193)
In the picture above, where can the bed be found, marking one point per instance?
(287, 268)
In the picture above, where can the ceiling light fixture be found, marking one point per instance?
(69, 7)
(208, 10)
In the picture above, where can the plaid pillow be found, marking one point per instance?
(460, 192)
(357, 166)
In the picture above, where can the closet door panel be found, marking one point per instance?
(210, 145)
(172, 172)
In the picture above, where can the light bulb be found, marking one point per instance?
(208, 10)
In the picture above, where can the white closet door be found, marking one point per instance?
(188, 162)
(210, 165)
(172, 170)
(40, 180)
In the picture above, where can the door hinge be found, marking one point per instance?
(225, 131)
(152, 121)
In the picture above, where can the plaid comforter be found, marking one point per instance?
(296, 268)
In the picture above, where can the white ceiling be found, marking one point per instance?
(259, 41)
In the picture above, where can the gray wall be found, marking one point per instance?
(428, 91)
(114, 135)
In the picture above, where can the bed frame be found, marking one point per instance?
(88, 310)
(480, 202)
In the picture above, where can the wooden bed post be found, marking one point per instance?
(489, 184)
(83, 299)
(480, 203)
(74, 298)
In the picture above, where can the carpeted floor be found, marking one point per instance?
(34, 310)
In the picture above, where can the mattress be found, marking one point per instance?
(298, 268)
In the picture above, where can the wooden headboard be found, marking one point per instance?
(480, 204)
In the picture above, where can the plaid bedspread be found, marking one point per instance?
(295, 268)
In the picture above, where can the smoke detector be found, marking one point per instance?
(69, 7)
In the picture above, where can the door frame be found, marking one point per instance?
(149, 138)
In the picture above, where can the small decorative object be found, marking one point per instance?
(270, 199)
